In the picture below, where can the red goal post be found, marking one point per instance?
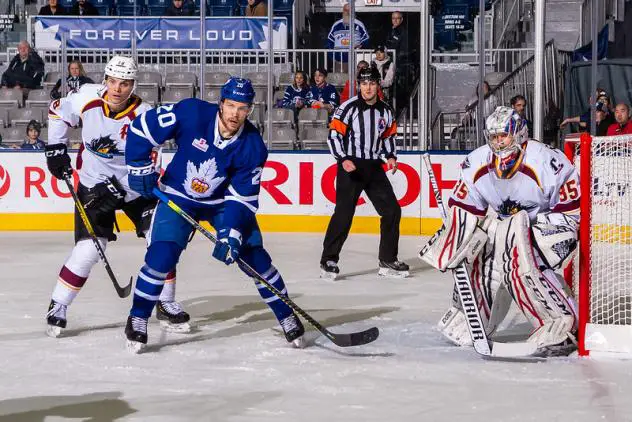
(601, 275)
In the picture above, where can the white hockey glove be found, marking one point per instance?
(555, 238)
(459, 239)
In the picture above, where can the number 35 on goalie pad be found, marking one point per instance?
(459, 239)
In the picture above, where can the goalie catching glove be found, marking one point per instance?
(555, 238)
(459, 239)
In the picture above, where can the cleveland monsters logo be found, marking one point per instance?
(104, 147)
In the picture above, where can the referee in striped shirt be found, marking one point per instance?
(362, 131)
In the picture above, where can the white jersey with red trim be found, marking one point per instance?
(104, 133)
(543, 179)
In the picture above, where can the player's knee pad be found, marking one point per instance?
(555, 238)
(539, 297)
(460, 239)
(83, 256)
(163, 256)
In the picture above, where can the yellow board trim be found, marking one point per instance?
(268, 223)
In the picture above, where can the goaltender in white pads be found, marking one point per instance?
(512, 220)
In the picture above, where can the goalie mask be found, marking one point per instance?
(505, 132)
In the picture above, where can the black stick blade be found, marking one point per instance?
(123, 292)
(354, 339)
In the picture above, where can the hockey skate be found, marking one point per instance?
(136, 333)
(293, 330)
(395, 269)
(56, 319)
(172, 317)
(329, 270)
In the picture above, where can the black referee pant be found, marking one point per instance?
(369, 176)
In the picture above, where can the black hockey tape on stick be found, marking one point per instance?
(121, 291)
(342, 340)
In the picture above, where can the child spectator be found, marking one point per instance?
(386, 67)
(322, 94)
(76, 77)
(32, 141)
(295, 97)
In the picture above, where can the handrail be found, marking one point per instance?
(508, 21)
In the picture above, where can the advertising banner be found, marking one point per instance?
(158, 33)
(293, 185)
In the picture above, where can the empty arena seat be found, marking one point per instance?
(317, 117)
(96, 76)
(282, 138)
(314, 137)
(148, 95)
(216, 79)
(337, 79)
(212, 95)
(10, 97)
(22, 116)
(174, 95)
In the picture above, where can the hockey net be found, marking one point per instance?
(602, 274)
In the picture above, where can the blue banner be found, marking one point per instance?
(158, 33)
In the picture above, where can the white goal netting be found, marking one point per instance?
(610, 243)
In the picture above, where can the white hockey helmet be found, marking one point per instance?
(505, 131)
(122, 67)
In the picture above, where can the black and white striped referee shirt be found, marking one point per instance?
(360, 130)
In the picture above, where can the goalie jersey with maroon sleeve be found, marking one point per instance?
(542, 180)
(104, 133)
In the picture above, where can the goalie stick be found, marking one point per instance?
(121, 291)
(342, 340)
(482, 344)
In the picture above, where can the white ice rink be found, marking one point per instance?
(236, 368)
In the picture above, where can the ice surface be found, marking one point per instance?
(236, 368)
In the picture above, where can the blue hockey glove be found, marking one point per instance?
(142, 177)
(227, 248)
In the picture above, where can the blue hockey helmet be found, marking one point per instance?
(238, 89)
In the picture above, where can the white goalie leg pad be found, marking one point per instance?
(538, 295)
(555, 238)
(459, 239)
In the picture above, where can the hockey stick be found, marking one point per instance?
(342, 340)
(482, 344)
(121, 291)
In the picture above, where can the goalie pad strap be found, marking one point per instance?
(459, 239)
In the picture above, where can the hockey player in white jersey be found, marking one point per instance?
(106, 110)
(512, 219)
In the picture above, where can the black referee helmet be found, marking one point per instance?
(369, 74)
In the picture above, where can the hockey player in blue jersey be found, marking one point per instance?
(214, 176)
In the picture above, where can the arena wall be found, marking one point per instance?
(297, 195)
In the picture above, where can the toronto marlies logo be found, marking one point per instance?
(104, 147)
(201, 182)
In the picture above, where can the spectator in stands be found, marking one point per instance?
(322, 94)
(519, 104)
(397, 38)
(490, 101)
(32, 140)
(386, 67)
(339, 39)
(76, 77)
(84, 8)
(584, 119)
(52, 9)
(25, 70)
(344, 96)
(180, 8)
(296, 95)
(256, 8)
(623, 125)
